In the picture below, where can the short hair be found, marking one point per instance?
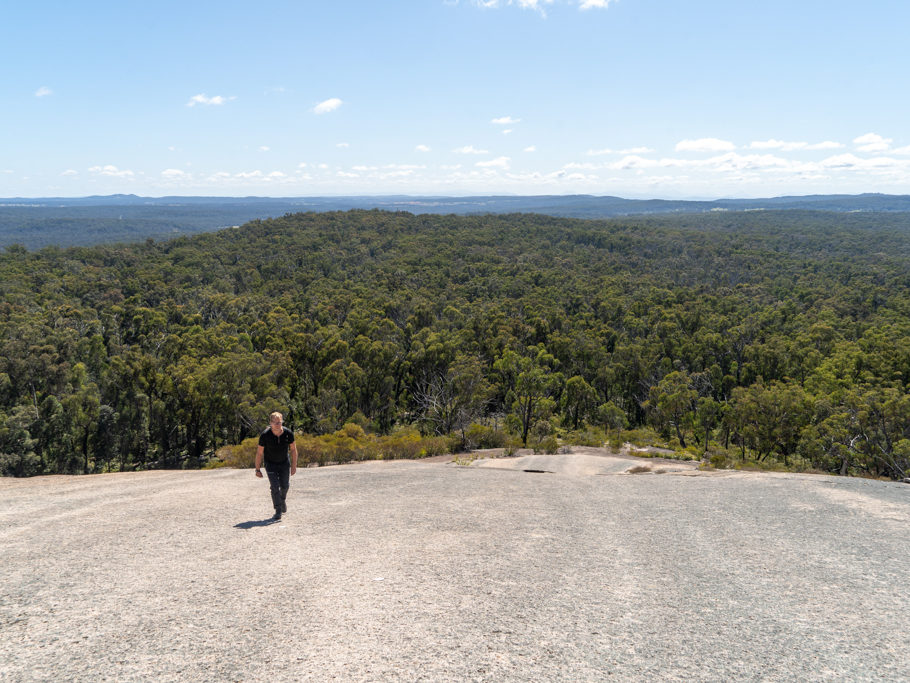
(274, 415)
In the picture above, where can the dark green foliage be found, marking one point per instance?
(778, 336)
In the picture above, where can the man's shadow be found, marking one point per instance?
(257, 522)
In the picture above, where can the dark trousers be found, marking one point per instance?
(279, 474)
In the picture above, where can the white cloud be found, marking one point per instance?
(901, 150)
(523, 4)
(536, 5)
(498, 162)
(785, 146)
(532, 148)
(827, 144)
(505, 121)
(778, 144)
(302, 164)
(248, 175)
(507, 131)
(326, 106)
(343, 145)
(705, 145)
(633, 161)
(344, 174)
(872, 142)
(202, 98)
(43, 91)
(277, 174)
(112, 171)
(852, 162)
(173, 173)
(70, 172)
(422, 148)
(631, 150)
(469, 149)
(264, 148)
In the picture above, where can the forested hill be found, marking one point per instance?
(36, 223)
(774, 337)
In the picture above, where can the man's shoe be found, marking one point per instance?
(277, 515)
(284, 506)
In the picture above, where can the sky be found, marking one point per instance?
(634, 98)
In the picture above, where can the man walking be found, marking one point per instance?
(275, 442)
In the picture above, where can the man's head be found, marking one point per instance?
(275, 421)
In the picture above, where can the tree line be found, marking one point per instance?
(774, 337)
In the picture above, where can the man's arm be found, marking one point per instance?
(293, 458)
(259, 451)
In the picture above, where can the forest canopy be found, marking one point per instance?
(778, 336)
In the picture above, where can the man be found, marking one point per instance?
(274, 444)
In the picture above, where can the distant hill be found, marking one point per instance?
(36, 223)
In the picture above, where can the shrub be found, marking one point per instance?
(718, 461)
(26, 465)
(482, 436)
(241, 456)
(512, 446)
(434, 445)
(592, 436)
(547, 444)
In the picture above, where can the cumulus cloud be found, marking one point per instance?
(422, 148)
(112, 171)
(469, 149)
(872, 142)
(202, 98)
(786, 146)
(326, 106)
(70, 172)
(173, 173)
(498, 162)
(536, 5)
(507, 131)
(827, 144)
(705, 145)
(43, 91)
(505, 121)
(531, 148)
(777, 144)
(631, 150)
(264, 148)
(901, 150)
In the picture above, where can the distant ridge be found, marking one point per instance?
(59, 221)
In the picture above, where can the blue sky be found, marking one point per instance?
(636, 98)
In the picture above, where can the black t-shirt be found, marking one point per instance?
(275, 448)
